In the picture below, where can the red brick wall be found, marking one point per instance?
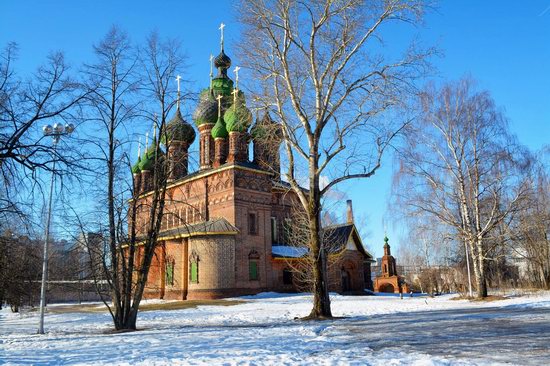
(224, 259)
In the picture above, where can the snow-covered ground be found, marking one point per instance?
(374, 330)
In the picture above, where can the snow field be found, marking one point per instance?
(261, 331)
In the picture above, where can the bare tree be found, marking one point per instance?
(50, 94)
(530, 231)
(322, 72)
(122, 79)
(301, 260)
(461, 166)
(20, 268)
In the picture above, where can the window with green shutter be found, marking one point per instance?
(194, 272)
(170, 273)
(253, 270)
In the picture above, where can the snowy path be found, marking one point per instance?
(507, 334)
(376, 331)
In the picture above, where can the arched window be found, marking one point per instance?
(253, 259)
(194, 268)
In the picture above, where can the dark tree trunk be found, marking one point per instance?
(321, 299)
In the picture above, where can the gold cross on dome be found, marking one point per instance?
(219, 98)
(211, 69)
(211, 64)
(178, 78)
(236, 71)
(222, 26)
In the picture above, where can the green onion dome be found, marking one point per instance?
(148, 159)
(219, 129)
(179, 130)
(135, 168)
(237, 118)
(207, 110)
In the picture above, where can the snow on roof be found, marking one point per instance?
(285, 251)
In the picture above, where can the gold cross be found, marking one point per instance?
(219, 98)
(222, 26)
(178, 78)
(211, 70)
(236, 71)
(211, 64)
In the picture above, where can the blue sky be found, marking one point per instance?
(505, 45)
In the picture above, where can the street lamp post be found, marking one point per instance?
(55, 132)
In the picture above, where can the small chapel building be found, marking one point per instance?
(389, 281)
(225, 226)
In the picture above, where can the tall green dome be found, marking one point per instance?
(179, 130)
(237, 118)
(219, 129)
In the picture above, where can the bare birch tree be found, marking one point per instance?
(461, 166)
(321, 70)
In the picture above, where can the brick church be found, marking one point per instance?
(224, 226)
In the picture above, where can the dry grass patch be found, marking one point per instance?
(170, 305)
(188, 304)
(476, 299)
